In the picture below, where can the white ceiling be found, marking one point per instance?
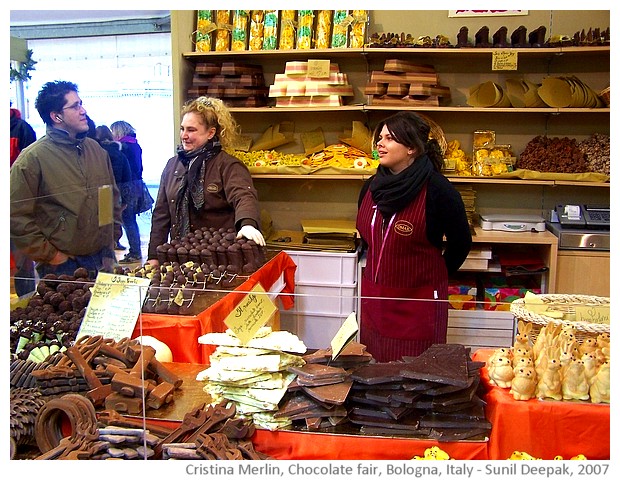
(50, 17)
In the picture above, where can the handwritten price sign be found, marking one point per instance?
(592, 314)
(251, 313)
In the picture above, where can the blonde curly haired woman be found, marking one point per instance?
(203, 185)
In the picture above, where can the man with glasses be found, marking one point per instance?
(65, 206)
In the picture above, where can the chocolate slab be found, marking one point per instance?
(409, 423)
(407, 397)
(421, 433)
(435, 420)
(443, 389)
(317, 382)
(319, 412)
(456, 434)
(442, 363)
(336, 393)
(384, 386)
(397, 412)
(378, 373)
(370, 412)
(316, 371)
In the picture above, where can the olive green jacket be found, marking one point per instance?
(56, 192)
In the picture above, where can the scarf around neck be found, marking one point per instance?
(392, 192)
(192, 185)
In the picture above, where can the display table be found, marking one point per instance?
(543, 428)
(301, 445)
(181, 332)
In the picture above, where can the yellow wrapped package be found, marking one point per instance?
(204, 30)
(270, 31)
(357, 36)
(240, 30)
(340, 28)
(305, 22)
(257, 30)
(222, 35)
(323, 28)
(287, 29)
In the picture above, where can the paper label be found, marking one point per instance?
(592, 314)
(106, 211)
(318, 68)
(504, 60)
(253, 312)
(114, 306)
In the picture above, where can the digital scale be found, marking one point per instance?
(513, 223)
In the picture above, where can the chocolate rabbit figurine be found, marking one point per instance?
(590, 366)
(574, 383)
(599, 390)
(550, 380)
(523, 385)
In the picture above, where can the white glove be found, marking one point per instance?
(249, 232)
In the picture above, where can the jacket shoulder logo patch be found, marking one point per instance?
(212, 188)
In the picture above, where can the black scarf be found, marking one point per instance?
(193, 181)
(392, 192)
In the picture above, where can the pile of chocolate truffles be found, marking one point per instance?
(218, 249)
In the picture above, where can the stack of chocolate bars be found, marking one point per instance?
(431, 396)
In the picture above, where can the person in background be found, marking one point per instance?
(57, 185)
(124, 133)
(203, 185)
(22, 135)
(120, 166)
(405, 211)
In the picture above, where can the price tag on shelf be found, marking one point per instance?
(504, 60)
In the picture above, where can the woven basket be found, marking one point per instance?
(605, 95)
(565, 303)
(436, 132)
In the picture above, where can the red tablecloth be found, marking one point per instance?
(287, 445)
(543, 428)
(181, 332)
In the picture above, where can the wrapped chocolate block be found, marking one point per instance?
(287, 30)
(340, 28)
(204, 30)
(357, 35)
(257, 30)
(240, 30)
(270, 31)
(222, 34)
(305, 23)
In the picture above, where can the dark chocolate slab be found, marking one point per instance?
(336, 393)
(443, 363)
(378, 373)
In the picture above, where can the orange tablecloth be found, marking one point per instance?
(287, 445)
(181, 332)
(543, 429)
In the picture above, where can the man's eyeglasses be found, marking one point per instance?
(77, 106)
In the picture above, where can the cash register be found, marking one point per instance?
(581, 226)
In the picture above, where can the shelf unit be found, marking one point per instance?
(290, 198)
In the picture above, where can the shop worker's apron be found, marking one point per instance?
(404, 285)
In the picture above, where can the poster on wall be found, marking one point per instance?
(485, 13)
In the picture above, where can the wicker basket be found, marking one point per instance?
(436, 132)
(605, 95)
(564, 303)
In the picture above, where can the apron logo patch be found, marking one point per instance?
(212, 188)
(403, 227)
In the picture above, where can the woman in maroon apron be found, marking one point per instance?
(413, 224)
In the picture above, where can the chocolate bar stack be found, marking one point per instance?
(237, 84)
(318, 393)
(432, 396)
(405, 83)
